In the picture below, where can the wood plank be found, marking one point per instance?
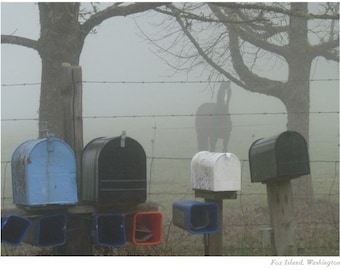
(280, 202)
(215, 195)
(72, 109)
(213, 242)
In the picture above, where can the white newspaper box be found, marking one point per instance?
(215, 172)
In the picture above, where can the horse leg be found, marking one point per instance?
(202, 141)
(212, 142)
(225, 143)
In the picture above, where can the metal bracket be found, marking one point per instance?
(122, 139)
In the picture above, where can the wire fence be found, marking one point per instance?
(246, 225)
(153, 82)
(181, 115)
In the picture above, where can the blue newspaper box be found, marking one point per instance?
(109, 230)
(47, 231)
(44, 173)
(14, 229)
(196, 217)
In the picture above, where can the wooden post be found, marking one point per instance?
(79, 227)
(280, 202)
(213, 243)
(73, 112)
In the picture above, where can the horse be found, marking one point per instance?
(213, 121)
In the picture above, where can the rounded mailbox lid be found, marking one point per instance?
(283, 156)
(114, 170)
(215, 171)
(44, 172)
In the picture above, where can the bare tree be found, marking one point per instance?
(63, 30)
(237, 39)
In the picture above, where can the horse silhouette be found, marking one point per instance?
(213, 121)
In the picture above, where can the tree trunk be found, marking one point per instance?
(60, 42)
(297, 96)
(297, 104)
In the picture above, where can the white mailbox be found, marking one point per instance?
(215, 171)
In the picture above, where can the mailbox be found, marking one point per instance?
(196, 217)
(114, 170)
(44, 173)
(215, 171)
(110, 230)
(14, 229)
(284, 156)
(145, 228)
(47, 231)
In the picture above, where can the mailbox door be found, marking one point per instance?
(44, 172)
(215, 171)
(53, 172)
(281, 156)
(262, 160)
(122, 172)
(292, 155)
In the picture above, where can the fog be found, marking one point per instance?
(118, 53)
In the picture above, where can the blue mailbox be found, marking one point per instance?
(196, 217)
(44, 173)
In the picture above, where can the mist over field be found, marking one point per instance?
(151, 108)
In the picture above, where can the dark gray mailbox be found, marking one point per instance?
(284, 156)
(114, 170)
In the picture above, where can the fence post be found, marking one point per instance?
(282, 217)
(78, 225)
(213, 243)
(72, 109)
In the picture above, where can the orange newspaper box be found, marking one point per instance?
(145, 228)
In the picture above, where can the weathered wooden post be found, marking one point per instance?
(72, 96)
(79, 218)
(215, 177)
(213, 242)
(275, 161)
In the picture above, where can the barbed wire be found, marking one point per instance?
(155, 82)
(179, 115)
(189, 158)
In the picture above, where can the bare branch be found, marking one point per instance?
(253, 82)
(117, 10)
(250, 36)
(21, 41)
(323, 50)
(202, 53)
(202, 18)
(276, 9)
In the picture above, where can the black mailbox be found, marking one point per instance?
(284, 156)
(114, 170)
